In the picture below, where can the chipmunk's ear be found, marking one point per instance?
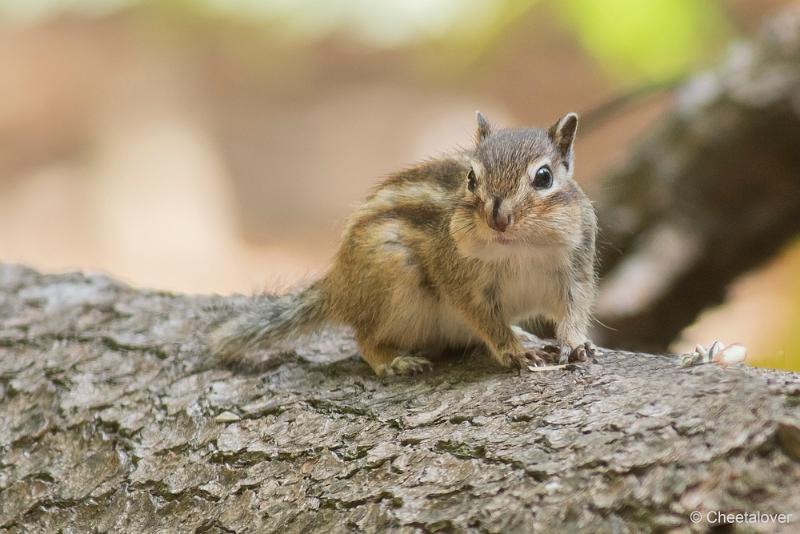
(563, 134)
(484, 128)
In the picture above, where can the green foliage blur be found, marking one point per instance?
(630, 39)
(655, 39)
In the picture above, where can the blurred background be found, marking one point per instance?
(217, 146)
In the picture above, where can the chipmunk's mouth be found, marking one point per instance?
(503, 239)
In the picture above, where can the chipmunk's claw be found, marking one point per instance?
(585, 352)
(408, 365)
(521, 360)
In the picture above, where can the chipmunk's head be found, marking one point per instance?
(518, 190)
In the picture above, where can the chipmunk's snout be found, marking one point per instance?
(499, 218)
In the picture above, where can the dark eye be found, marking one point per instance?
(543, 178)
(472, 181)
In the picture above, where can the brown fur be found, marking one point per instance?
(419, 269)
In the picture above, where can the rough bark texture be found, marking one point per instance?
(112, 420)
(712, 193)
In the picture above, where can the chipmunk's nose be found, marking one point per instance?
(500, 219)
(500, 222)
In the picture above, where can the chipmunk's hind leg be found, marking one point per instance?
(390, 361)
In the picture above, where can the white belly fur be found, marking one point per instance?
(527, 292)
(420, 321)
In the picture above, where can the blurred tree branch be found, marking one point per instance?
(709, 195)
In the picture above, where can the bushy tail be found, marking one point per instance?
(269, 320)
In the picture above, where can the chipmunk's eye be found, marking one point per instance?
(543, 178)
(472, 181)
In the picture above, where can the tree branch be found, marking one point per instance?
(112, 419)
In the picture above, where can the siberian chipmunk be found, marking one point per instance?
(452, 252)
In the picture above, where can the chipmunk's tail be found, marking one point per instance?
(268, 320)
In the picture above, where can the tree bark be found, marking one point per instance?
(713, 192)
(113, 419)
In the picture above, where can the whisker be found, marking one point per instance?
(465, 227)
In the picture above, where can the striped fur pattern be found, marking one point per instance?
(419, 268)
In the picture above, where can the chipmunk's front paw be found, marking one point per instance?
(522, 359)
(585, 352)
(408, 365)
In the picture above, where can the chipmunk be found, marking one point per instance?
(451, 252)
